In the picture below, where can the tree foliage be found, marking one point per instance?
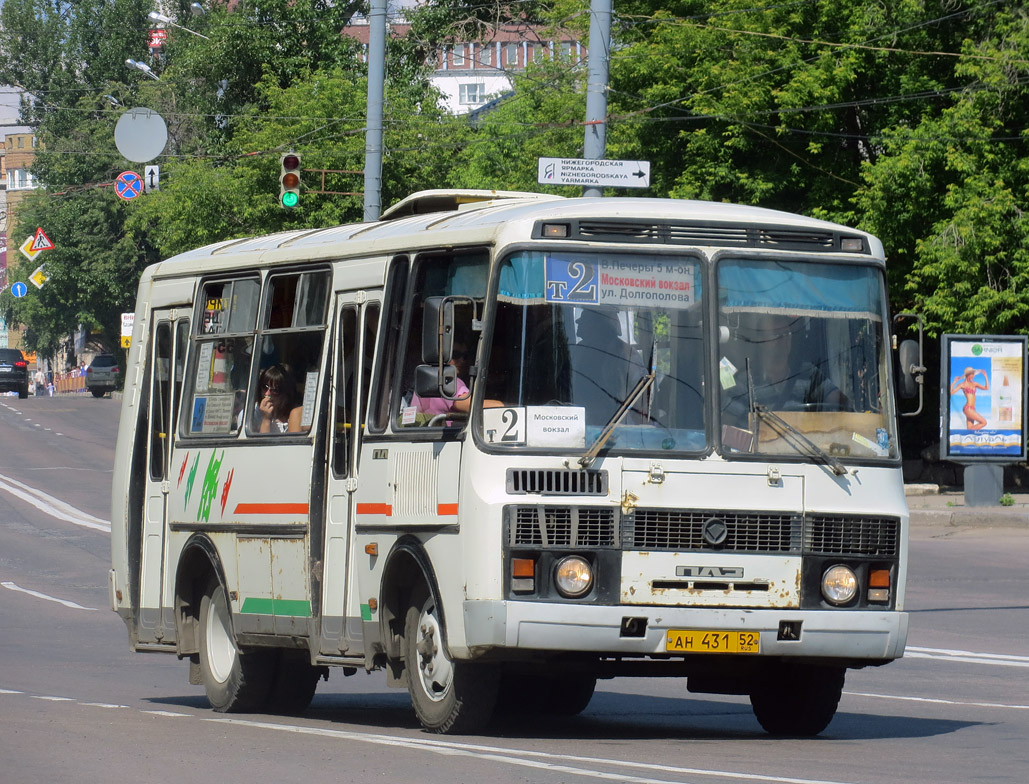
(905, 118)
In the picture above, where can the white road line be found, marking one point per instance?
(968, 657)
(170, 714)
(52, 506)
(12, 587)
(938, 701)
(102, 705)
(552, 763)
(50, 699)
(10, 691)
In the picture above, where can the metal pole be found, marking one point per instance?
(373, 133)
(596, 88)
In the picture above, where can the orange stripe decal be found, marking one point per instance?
(446, 509)
(375, 509)
(280, 509)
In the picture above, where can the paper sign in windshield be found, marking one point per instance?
(625, 282)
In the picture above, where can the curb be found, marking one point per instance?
(982, 517)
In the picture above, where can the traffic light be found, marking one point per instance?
(289, 179)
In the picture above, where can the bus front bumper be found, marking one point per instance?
(852, 635)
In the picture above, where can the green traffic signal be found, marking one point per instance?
(289, 179)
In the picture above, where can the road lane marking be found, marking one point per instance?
(169, 714)
(938, 701)
(522, 757)
(967, 657)
(48, 698)
(52, 506)
(102, 705)
(12, 587)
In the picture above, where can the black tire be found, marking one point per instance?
(523, 693)
(97, 392)
(294, 683)
(235, 681)
(568, 695)
(798, 700)
(448, 696)
(23, 392)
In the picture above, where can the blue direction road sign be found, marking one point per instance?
(128, 185)
(19, 289)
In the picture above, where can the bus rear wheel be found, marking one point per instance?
(797, 700)
(448, 696)
(235, 681)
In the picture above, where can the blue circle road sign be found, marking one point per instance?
(128, 185)
(19, 289)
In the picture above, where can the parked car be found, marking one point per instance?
(14, 372)
(102, 375)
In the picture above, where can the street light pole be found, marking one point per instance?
(595, 141)
(376, 90)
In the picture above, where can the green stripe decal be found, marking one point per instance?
(366, 612)
(286, 607)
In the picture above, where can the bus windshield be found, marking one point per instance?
(574, 335)
(800, 357)
(802, 360)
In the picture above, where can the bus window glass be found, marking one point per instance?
(464, 277)
(291, 339)
(802, 358)
(396, 286)
(576, 334)
(216, 383)
(346, 391)
(159, 435)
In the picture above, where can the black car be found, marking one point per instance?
(102, 375)
(14, 372)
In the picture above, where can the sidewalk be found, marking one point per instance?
(931, 506)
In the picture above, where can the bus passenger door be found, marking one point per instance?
(168, 351)
(357, 320)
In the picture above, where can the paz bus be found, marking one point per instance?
(522, 443)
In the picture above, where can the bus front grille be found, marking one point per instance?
(845, 535)
(686, 529)
(562, 526)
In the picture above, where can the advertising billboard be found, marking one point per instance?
(983, 400)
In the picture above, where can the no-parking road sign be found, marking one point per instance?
(128, 186)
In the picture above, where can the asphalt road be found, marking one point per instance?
(77, 706)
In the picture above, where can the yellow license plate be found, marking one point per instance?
(711, 641)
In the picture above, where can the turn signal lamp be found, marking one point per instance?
(879, 585)
(523, 575)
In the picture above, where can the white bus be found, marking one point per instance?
(501, 445)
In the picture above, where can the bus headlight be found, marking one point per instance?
(839, 584)
(573, 576)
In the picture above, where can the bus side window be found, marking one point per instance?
(219, 368)
(346, 392)
(458, 274)
(389, 339)
(291, 338)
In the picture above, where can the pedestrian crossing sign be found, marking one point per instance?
(40, 241)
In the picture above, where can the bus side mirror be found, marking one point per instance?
(430, 381)
(911, 370)
(438, 330)
(911, 365)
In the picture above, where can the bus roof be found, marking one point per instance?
(474, 217)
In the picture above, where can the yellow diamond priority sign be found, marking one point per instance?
(38, 278)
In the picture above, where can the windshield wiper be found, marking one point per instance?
(786, 430)
(637, 391)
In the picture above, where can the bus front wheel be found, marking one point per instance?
(235, 682)
(448, 696)
(797, 700)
